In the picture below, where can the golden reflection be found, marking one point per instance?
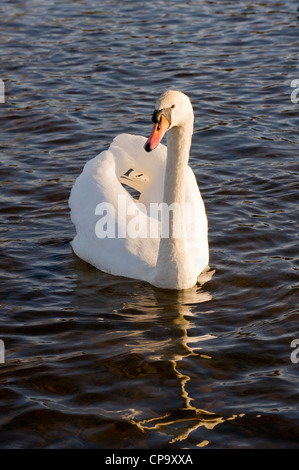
(180, 423)
(161, 327)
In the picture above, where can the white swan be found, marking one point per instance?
(170, 259)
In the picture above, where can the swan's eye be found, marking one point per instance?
(159, 126)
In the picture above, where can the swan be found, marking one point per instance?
(117, 232)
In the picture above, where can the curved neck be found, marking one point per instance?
(173, 264)
(178, 149)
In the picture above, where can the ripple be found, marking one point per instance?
(96, 361)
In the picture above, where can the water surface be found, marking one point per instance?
(96, 361)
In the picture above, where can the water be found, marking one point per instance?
(95, 361)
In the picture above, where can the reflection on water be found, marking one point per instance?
(93, 360)
(179, 423)
(136, 338)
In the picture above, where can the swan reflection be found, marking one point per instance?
(157, 333)
(178, 423)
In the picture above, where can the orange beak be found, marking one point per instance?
(157, 134)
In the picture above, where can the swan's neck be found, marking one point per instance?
(178, 149)
(173, 258)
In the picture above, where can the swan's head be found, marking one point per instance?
(173, 109)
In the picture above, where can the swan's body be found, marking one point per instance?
(170, 261)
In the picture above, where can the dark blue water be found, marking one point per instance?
(93, 360)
